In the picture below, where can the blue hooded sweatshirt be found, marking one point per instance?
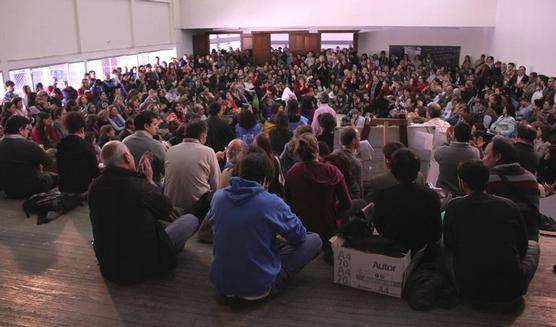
(245, 220)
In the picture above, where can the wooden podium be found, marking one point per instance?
(387, 122)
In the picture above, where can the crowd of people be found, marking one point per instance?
(246, 155)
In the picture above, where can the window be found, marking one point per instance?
(125, 62)
(150, 57)
(333, 40)
(95, 65)
(225, 41)
(40, 75)
(279, 40)
(76, 72)
(143, 58)
(164, 55)
(20, 77)
(2, 89)
(60, 72)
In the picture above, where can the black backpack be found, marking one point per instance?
(42, 203)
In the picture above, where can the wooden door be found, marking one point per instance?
(312, 42)
(261, 48)
(297, 42)
(201, 44)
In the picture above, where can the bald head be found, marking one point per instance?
(236, 150)
(116, 154)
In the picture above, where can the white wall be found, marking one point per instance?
(525, 34)
(38, 32)
(251, 14)
(105, 24)
(472, 40)
(153, 23)
(184, 42)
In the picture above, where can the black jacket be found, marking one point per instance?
(20, 162)
(219, 134)
(77, 164)
(488, 238)
(527, 157)
(130, 243)
(409, 213)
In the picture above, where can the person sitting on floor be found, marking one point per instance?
(449, 156)
(488, 238)
(129, 242)
(192, 170)
(22, 162)
(316, 191)
(510, 180)
(387, 179)
(76, 158)
(408, 212)
(236, 150)
(349, 139)
(249, 261)
(288, 158)
(142, 140)
(524, 145)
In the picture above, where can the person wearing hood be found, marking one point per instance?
(75, 158)
(316, 191)
(249, 261)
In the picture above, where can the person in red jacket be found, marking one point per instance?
(316, 191)
(43, 133)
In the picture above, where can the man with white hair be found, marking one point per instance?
(130, 242)
(323, 108)
(235, 151)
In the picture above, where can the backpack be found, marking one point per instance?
(42, 203)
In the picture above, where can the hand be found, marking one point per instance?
(145, 167)
(450, 134)
(220, 155)
(548, 189)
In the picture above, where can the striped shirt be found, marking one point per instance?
(522, 181)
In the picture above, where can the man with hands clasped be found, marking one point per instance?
(126, 207)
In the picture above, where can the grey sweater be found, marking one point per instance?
(448, 158)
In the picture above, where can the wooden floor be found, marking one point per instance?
(49, 277)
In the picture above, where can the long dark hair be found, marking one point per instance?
(341, 161)
(282, 122)
(263, 141)
(246, 119)
(41, 128)
(293, 111)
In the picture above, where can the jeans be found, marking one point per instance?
(530, 262)
(294, 258)
(181, 229)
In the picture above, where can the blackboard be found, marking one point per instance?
(441, 55)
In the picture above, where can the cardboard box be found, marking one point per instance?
(370, 271)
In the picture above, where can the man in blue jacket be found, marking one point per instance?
(249, 261)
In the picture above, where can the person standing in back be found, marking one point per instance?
(323, 107)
